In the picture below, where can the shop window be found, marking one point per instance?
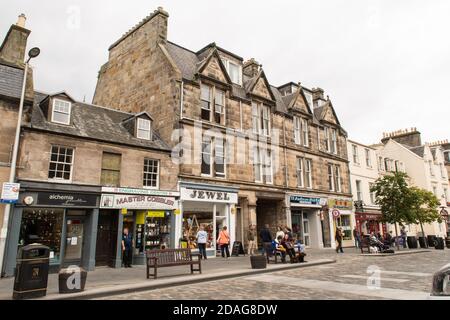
(61, 111)
(344, 222)
(111, 163)
(157, 231)
(192, 221)
(61, 161)
(43, 226)
(151, 173)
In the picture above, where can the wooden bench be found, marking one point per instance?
(171, 258)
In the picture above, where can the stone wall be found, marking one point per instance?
(35, 156)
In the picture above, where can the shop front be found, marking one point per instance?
(369, 220)
(149, 216)
(307, 219)
(59, 216)
(210, 207)
(342, 217)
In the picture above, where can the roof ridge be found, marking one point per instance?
(181, 47)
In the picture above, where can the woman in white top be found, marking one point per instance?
(202, 238)
(280, 233)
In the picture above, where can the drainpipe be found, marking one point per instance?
(181, 98)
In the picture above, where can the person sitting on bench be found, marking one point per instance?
(286, 243)
(280, 249)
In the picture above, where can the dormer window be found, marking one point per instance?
(234, 71)
(143, 129)
(61, 111)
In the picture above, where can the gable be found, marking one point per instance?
(330, 116)
(260, 89)
(214, 70)
(300, 104)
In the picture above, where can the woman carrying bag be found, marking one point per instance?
(224, 241)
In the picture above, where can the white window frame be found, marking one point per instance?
(304, 132)
(333, 141)
(148, 130)
(205, 151)
(368, 158)
(223, 156)
(227, 63)
(380, 164)
(326, 132)
(157, 174)
(359, 193)
(257, 165)
(330, 177)
(308, 173)
(265, 111)
(256, 120)
(355, 154)
(69, 113)
(297, 130)
(337, 177)
(210, 102)
(54, 179)
(300, 178)
(267, 165)
(371, 194)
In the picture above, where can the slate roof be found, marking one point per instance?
(189, 62)
(417, 150)
(11, 81)
(94, 122)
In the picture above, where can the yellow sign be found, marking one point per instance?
(177, 211)
(233, 210)
(124, 210)
(156, 214)
(140, 217)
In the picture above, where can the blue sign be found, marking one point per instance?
(8, 201)
(305, 200)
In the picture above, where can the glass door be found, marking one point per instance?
(74, 241)
(306, 237)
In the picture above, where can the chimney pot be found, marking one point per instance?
(21, 20)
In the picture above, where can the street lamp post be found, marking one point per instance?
(33, 53)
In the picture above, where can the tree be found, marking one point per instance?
(424, 207)
(393, 196)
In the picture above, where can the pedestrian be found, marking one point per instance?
(280, 248)
(338, 238)
(287, 244)
(288, 231)
(127, 248)
(251, 236)
(224, 241)
(357, 238)
(280, 232)
(404, 235)
(266, 239)
(202, 238)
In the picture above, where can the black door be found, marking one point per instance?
(105, 252)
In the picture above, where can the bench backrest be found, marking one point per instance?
(169, 256)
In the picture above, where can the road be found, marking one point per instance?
(352, 277)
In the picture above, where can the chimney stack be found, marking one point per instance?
(410, 137)
(12, 50)
(317, 93)
(251, 68)
(21, 21)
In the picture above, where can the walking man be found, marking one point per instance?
(403, 236)
(357, 238)
(339, 238)
(266, 239)
(251, 236)
(127, 248)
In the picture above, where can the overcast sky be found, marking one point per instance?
(384, 64)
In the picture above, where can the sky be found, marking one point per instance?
(384, 64)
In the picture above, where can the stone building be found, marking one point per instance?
(86, 172)
(403, 150)
(278, 153)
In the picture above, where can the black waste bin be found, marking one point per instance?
(72, 279)
(447, 242)
(440, 245)
(412, 242)
(431, 240)
(258, 262)
(423, 242)
(31, 275)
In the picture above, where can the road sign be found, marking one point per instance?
(336, 213)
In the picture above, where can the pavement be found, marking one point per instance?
(353, 277)
(108, 281)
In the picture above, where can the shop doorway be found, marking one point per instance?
(75, 230)
(105, 252)
(301, 227)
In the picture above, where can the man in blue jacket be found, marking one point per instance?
(266, 238)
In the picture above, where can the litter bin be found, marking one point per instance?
(423, 242)
(447, 242)
(258, 262)
(412, 242)
(72, 279)
(440, 245)
(31, 275)
(431, 240)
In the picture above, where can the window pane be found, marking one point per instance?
(206, 93)
(60, 117)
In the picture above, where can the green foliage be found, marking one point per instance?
(424, 206)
